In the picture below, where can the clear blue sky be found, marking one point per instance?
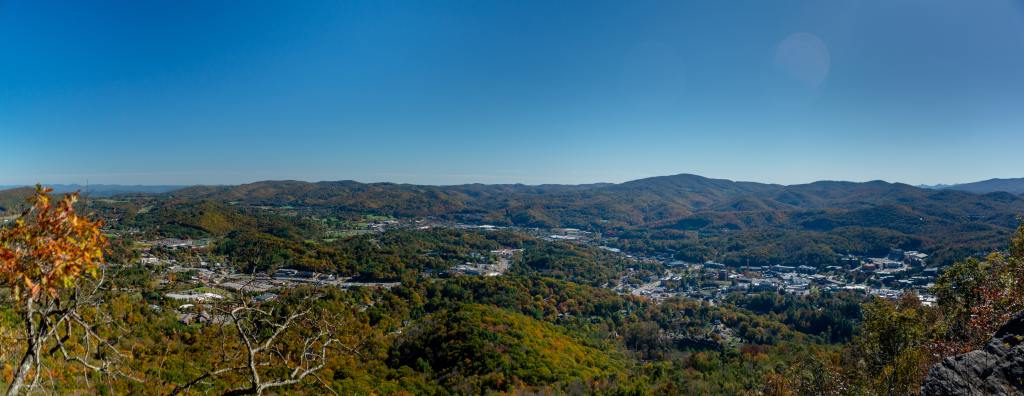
(181, 92)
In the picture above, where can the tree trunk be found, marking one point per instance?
(31, 351)
(19, 375)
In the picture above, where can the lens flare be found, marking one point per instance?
(805, 58)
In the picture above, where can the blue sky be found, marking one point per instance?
(182, 92)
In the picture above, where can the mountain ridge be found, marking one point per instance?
(104, 190)
(694, 217)
(1011, 185)
(638, 202)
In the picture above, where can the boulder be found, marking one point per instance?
(997, 369)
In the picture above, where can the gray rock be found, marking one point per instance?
(997, 369)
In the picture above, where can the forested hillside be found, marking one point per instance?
(639, 202)
(673, 213)
(13, 201)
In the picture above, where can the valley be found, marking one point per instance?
(681, 271)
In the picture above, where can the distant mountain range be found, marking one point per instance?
(692, 182)
(697, 217)
(13, 198)
(1013, 186)
(649, 201)
(683, 201)
(106, 190)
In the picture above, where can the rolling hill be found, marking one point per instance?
(476, 346)
(13, 201)
(698, 218)
(643, 202)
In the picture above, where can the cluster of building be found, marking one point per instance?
(266, 286)
(206, 281)
(887, 277)
(497, 263)
(175, 243)
(569, 234)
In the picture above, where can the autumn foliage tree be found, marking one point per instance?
(900, 340)
(44, 257)
(979, 296)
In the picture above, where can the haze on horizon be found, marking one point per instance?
(210, 92)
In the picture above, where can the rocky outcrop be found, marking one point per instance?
(997, 369)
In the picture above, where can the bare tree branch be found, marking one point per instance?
(300, 343)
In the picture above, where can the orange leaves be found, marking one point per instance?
(49, 247)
